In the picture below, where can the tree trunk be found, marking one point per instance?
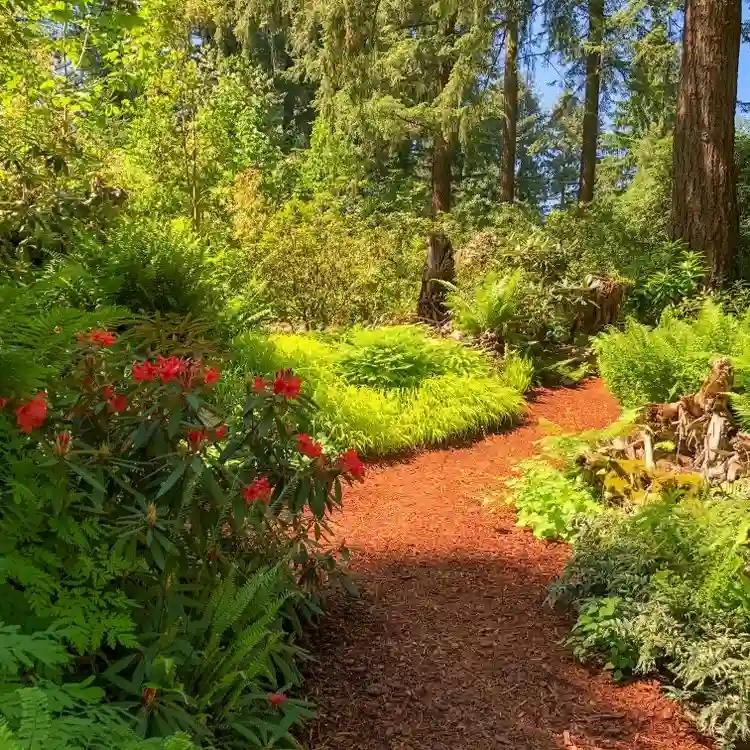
(439, 264)
(441, 175)
(704, 206)
(590, 144)
(510, 119)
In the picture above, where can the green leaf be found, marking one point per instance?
(172, 479)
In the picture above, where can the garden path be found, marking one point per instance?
(451, 646)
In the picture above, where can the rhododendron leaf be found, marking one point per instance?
(157, 554)
(88, 477)
(194, 401)
(317, 501)
(213, 488)
(174, 426)
(172, 479)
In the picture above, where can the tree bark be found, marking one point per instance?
(442, 178)
(590, 141)
(705, 214)
(510, 119)
(439, 264)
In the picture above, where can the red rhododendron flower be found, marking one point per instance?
(3, 402)
(118, 403)
(32, 414)
(169, 368)
(144, 372)
(211, 376)
(309, 447)
(196, 438)
(287, 385)
(108, 392)
(98, 337)
(260, 385)
(259, 490)
(102, 338)
(62, 443)
(277, 700)
(351, 465)
(221, 432)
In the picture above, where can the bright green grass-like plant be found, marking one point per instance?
(389, 389)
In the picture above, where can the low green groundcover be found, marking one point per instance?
(388, 389)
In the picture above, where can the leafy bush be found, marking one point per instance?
(153, 552)
(324, 267)
(641, 364)
(401, 357)
(517, 372)
(386, 390)
(549, 501)
(491, 307)
(665, 588)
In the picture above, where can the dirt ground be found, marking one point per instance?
(450, 646)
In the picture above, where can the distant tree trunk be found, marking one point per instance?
(442, 178)
(510, 119)
(590, 143)
(439, 265)
(704, 206)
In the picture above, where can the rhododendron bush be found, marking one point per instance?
(174, 554)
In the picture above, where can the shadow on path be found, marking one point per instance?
(450, 646)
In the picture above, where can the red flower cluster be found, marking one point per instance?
(309, 447)
(98, 337)
(144, 372)
(259, 490)
(351, 465)
(32, 414)
(221, 432)
(196, 438)
(170, 369)
(117, 402)
(284, 384)
(211, 376)
(277, 700)
(3, 402)
(287, 385)
(62, 443)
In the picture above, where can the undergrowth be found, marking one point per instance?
(642, 364)
(665, 589)
(390, 389)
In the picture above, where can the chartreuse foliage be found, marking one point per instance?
(549, 501)
(157, 565)
(388, 389)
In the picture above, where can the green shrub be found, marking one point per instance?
(152, 553)
(390, 389)
(326, 267)
(491, 306)
(401, 357)
(665, 589)
(643, 365)
(517, 372)
(549, 501)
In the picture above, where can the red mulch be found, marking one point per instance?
(450, 646)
